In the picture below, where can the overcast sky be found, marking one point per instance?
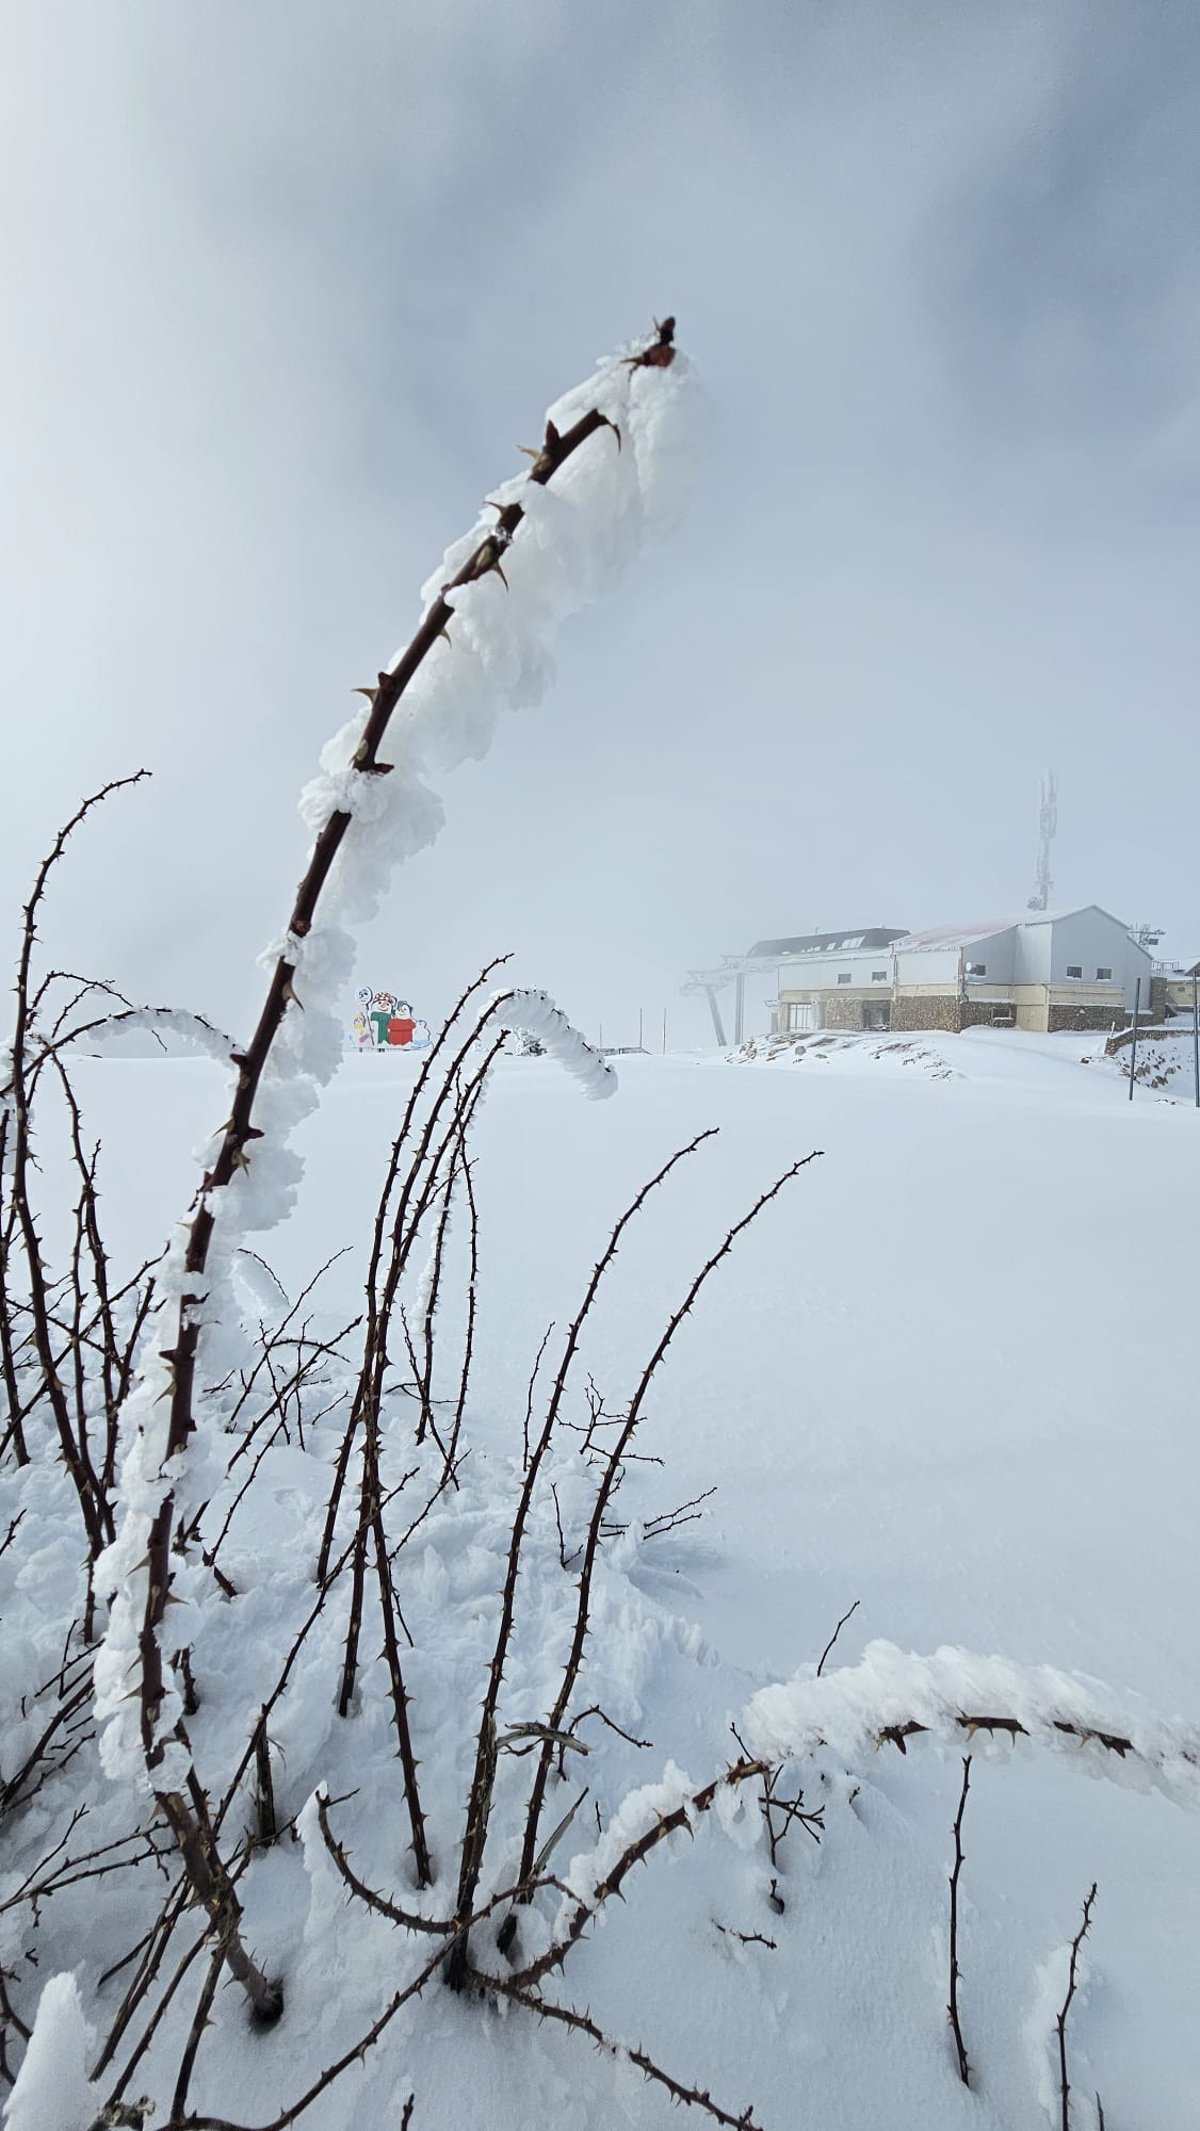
(286, 282)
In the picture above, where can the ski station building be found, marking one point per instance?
(1047, 970)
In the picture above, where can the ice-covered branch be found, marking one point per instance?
(606, 473)
(193, 1033)
(891, 1696)
(647, 1817)
(537, 1013)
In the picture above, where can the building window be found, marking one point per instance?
(977, 969)
(843, 976)
(1074, 969)
(1103, 976)
(879, 976)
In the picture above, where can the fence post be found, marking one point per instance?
(1137, 1001)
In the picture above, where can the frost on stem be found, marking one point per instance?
(892, 1695)
(606, 474)
(536, 1014)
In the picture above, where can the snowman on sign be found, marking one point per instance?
(385, 1022)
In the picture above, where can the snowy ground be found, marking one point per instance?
(948, 1375)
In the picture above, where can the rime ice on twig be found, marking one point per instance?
(552, 540)
(891, 1696)
(537, 1012)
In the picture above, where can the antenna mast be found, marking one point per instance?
(1047, 824)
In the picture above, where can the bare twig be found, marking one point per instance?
(671, 1519)
(468, 1350)
(356, 2052)
(192, 1828)
(691, 2097)
(790, 1810)
(609, 1480)
(266, 1828)
(10, 2022)
(596, 1711)
(1072, 1979)
(533, 1377)
(410, 1919)
(964, 2069)
(747, 1938)
(93, 1503)
(141, 2047)
(479, 1799)
(187, 2062)
(152, 1949)
(850, 1610)
(635, 1853)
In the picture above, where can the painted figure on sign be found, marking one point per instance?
(385, 1022)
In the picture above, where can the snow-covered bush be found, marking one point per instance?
(305, 1684)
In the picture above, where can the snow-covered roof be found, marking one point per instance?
(941, 936)
(828, 942)
(1055, 917)
(877, 937)
(954, 935)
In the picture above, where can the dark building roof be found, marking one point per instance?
(828, 942)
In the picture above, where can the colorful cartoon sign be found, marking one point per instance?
(384, 1022)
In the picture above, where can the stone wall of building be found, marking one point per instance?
(986, 1013)
(842, 1012)
(1168, 996)
(1064, 1018)
(949, 1015)
(943, 1013)
(919, 1012)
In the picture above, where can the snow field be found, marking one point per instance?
(943, 1376)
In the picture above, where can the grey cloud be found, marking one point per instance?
(297, 280)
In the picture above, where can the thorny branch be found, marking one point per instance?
(665, 1824)
(1064, 2089)
(1012, 1728)
(790, 1811)
(479, 1800)
(689, 2097)
(604, 1492)
(964, 2069)
(232, 1156)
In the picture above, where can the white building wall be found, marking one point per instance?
(1086, 940)
(927, 965)
(1031, 953)
(997, 954)
(1139, 962)
(821, 972)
